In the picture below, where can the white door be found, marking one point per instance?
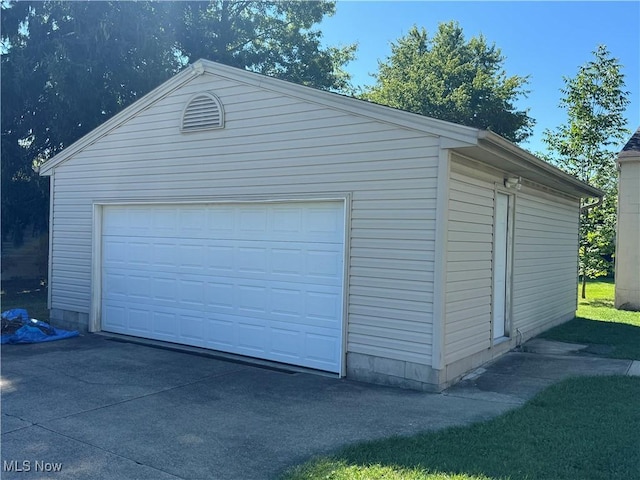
(256, 279)
(500, 264)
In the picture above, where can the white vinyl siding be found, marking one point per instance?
(545, 259)
(273, 146)
(544, 268)
(469, 260)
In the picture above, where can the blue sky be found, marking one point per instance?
(545, 40)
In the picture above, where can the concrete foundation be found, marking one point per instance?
(397, 373)
(69, 320)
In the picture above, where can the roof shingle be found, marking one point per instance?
(634, 143)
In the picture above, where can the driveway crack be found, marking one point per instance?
(109, 451)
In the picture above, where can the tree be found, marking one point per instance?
(448, 78)
(69, 66)
(66, 68)
(586, 147)
(272, 38)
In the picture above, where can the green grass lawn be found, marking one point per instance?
(582, 428)
(599, 323)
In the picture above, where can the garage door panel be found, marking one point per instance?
(164, 257)
(287, 261)
(220, 257)
(139, 320)
(164, 326)
(287, 343)
(252, 299)
(245, 335)
(317, 345)
(115, 252)
(139, 286)
(287, 303)
(302, 303)
(139, 254)
(191, 293)
(162, 289)
(220, 296)
(221, 333)
(323, 264)
(323, 308)
(303, 263)
(307, 223)
(252, 259)
(252, 335)
(114, 317)
(259, 280)
(287, 220)
(192, 221)
(190, 257)
(322, 220)
(221, 219)
(192, 329)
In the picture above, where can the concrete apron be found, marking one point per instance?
(91, 407)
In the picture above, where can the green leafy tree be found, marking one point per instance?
(586, 147)
(69, 66)
(449, 78)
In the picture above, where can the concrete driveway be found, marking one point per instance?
(92, 407)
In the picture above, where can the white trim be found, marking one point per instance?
(494, 270)
(510, 232)
(440, 260)
(511, 235)
(95, 315)
(346, 255)
(95, 307)
(50, 259)
(333, 197)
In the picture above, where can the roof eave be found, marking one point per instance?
(558, 179)
(460, 134)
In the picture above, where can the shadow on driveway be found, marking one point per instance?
(103, 409)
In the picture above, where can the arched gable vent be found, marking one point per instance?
(203, 112)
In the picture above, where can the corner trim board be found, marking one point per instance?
(440, 261)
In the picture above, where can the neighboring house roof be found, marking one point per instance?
(632, 147)
(484, 145)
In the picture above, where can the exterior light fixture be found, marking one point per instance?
(512, 183)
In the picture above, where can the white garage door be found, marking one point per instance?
(256, 279)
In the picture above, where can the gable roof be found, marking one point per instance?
(488, 146)
(633, 143)
(632, 147)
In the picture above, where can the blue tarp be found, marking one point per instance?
(17, 327)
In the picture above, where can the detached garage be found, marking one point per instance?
(239, 213)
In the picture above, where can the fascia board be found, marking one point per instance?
(491, 141)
